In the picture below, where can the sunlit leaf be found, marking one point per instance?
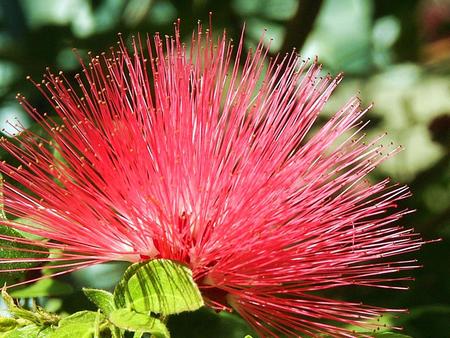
(82, 316)
(137, 322)
(103, 299)
(29, 331)
(81, 324)
(158, 286)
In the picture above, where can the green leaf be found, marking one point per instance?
(137, 322)
(81, 330)
(43, 288)
(159, 286)
(79, 317)
(105, 302)
(29, 331)
(83, 324)
(103, 299)
(98, 321)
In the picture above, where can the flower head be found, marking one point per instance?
(183, 153)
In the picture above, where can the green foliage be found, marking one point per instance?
(103, 299)
(39, 317)
(29, 331)
(158, 286)
(83, 324)
(147, 293)
(105, 303)
(137, 322)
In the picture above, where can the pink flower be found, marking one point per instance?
(183, 154)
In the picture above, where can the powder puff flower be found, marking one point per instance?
(186, 153)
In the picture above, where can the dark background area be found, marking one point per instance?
(395, 53)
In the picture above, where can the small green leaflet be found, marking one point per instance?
(29, 331)
(103, 299)
(159, 286)
(137, 322)
(105, 302)
(83, 324)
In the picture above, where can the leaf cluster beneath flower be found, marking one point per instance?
(147, 294)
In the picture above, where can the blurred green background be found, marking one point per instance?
(395, 53)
